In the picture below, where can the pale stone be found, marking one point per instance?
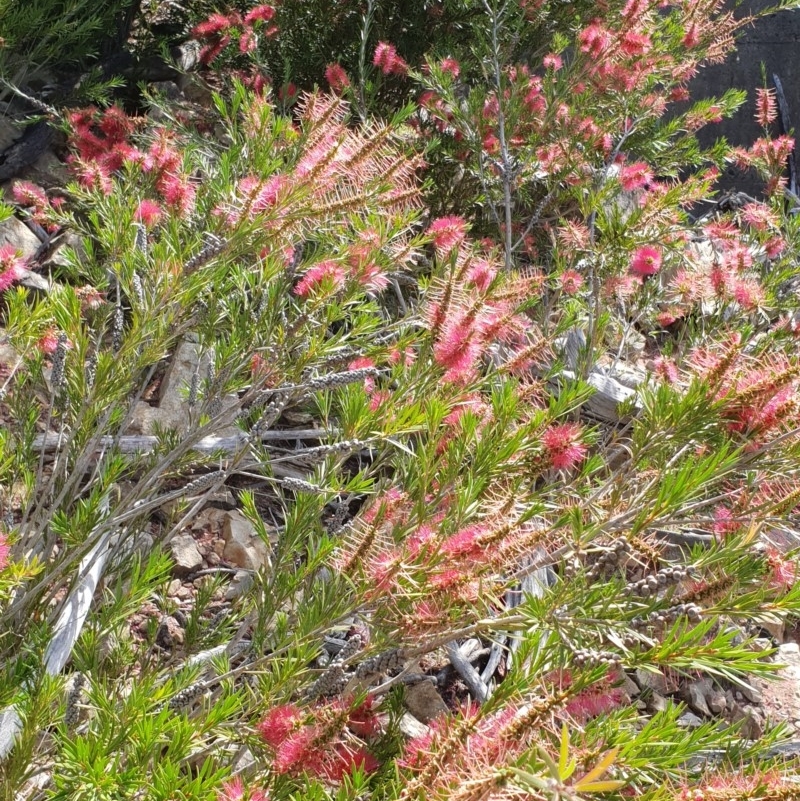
(424, 702)
(243, 547)
(14, 232)
(185, 555)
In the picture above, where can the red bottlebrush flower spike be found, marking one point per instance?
(447, 233)
(646, 261)
(563, 445)
(387, 60)
(148, 212)
(279, 723)
(11, 267)
(264, 13)
(571, 281)
(635, 176)
(766, 109)
(5, 549)
(337, 78)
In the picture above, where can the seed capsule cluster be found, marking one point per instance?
(587, 657)
(693, 612)
(609, 558)
(650, 585)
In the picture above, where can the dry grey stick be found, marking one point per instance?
(467, 672)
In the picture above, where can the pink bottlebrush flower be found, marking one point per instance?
(211, 27)
(645, 261)
(782, 575)
(116, 124)
(595, 39)
(337, 78)
(9, 276)
(419, 539)
(766, 109)
(692, 36)
(748, 293)
(635, 44)
(48, 343)
(233, 790)
(299, 752)
(665, 369)
(458, 348)
(724, 522)
(210, 52)
(666, 318)
(364, 720)
(633, 9)
(571, 281)
(552, 61)
(267, 194)
(27, 194)
(387, 60)
(447, 232)
(288, 93)
(263, 13)
(371, 277)
(759, 216)
(5, 549)
(148, 212)
(563, 445)
(775, 246)
(329, 271)
(737, 258)
(450, 65)
(162, 155)
(635, 176)
(380, 399)
(594, 701)
(248, 41)
(463, 542)
(279, 723)
(178, 192)
(11, 265)
(341, 761)
(481, 274)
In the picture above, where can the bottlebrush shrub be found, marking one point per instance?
(462, 488)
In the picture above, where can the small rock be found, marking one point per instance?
(243, 547)
(174, 586)
(696, 696)
(213, 558)
(650, 680)
(717, 702)
(752, 694)
(688, 720)
(752, 722)
(243, 760)
(657, 703)
(240, 584)
(424, 702)
(14, 232)
(776, 630)
(169, 633)
(630, 686)
(787, 649)
(185, 555)
(411, 727)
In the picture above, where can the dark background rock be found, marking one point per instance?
(773, 40)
